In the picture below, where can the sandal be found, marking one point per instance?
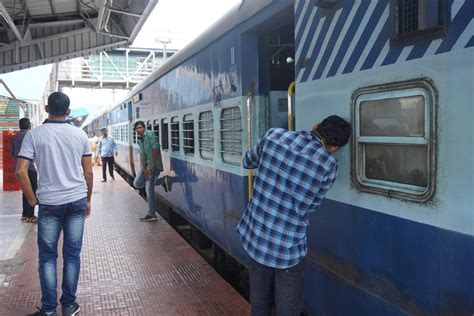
(24, 219)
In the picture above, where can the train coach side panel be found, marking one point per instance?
(380, 254)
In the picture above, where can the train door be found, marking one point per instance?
(278, 49)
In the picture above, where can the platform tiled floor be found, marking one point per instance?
(128, 267)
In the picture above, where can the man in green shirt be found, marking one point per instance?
(151, 167)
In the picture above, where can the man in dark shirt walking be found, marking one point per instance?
(295, 171)
(28, 210)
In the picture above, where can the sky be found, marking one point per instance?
(175, 22)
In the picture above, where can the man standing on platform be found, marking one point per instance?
(63, 156)
(295, 171)
(28, 210)
(106, 150)
(151, 167)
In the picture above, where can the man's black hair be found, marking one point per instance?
(138, 123)
(24, 123)
(58, 104)
(103, 129)
(334, 130)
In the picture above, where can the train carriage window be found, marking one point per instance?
(393, 152)
(149, 127)
(206, 135)
(231, 135)
(188, 134)
(419, 15)
(175, 133)
(134, 135)
(156, 128)
(164, 134)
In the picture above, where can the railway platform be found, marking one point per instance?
(128, 267)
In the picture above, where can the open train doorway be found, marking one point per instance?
(279, 50)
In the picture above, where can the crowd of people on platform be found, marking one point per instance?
(272, 228)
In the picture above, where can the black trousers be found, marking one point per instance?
(28, 210)
(107, 161)
(283, 287)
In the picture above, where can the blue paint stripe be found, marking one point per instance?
(298, 10)
(362, 43)
(317, 47)
(303, 24)
(348, 38)
(378, 46)
(457, 26)
(311, 33)
(470, 43)
(393, 54)
(332, 41)
(419, 50)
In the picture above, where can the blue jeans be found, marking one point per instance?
(283, 286)
(51, 220)
(149, 186)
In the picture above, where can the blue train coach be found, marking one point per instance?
(395, 235)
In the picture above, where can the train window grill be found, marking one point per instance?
(134, 137)
(164, 134)
(419, 15)
(408, 16)
(188, 134)
(394, 141)
(231, 135)
(174, 134)
(206, 135)
(156, 129)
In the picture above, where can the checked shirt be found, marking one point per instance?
(294, 173)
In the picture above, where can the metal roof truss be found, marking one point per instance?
(38, 32)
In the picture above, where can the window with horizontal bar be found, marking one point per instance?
(231, 135)
(188, 134)
(206, 135)
(156, 129)
(394, 141)
(419, 15)
(149, 127)
(175, 133)
(134, 135)
(164, 134)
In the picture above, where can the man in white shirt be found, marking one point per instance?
(63, 158)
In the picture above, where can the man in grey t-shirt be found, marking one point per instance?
(63, 158)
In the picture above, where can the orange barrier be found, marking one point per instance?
(9, 178)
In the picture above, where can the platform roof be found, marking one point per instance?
(38, 32)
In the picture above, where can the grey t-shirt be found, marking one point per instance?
(57, 149)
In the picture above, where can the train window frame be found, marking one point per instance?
(234, 156)
(206, 135)
(156, 129)
(189, 142)
(165, 143)
(360, 144)
(423, 17)
(174, 128)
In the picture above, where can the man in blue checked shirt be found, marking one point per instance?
(295, 171)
